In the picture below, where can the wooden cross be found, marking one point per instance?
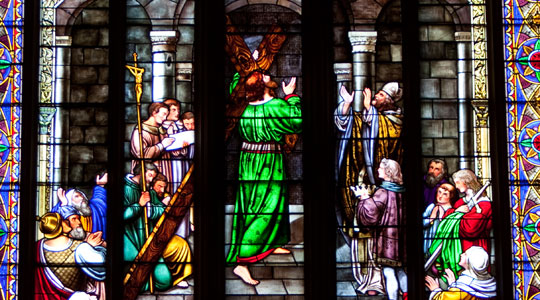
(243, 62)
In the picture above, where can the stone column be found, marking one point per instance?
(163, 65)
(363, 49)
(343, 72)
(464, 92)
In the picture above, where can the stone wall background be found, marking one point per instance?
(438, 85)
(85, 114)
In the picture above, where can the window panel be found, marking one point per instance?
(264, 201)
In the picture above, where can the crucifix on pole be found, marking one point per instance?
(138, 73)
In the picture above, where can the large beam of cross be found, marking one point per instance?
(243, 62)
(154, 246)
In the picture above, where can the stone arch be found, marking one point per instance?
(293, 5)
(66, 14)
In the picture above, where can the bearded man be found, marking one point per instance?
(69, 259)
(94, 211)
(436, 175)
(366, 138)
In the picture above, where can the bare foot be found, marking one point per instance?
(243, 273)
(281, 251)
(183, 284)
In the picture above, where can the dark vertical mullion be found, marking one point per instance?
(499, 149)
(412, 160)
(115, 167)
(209, 161)
(318, 104)
(29, 134)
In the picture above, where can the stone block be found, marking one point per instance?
(424, 69)
(103, 37)
(187, 34)
(445, 109)
(83, 75)
(383, 53)
(81, 154)
(423, 34)
(294, 166)
(389, 72)
(95, 16)
(95, 135)
(427, 146)
(183, 91)
(238, 287)
(430, 88)
(426, 110)
(75, 172)
(184, 53)
(432, 50)
(271, 287)
(453, 164)
(138, 34)
(127, 133)
(96, 56)
(103, 76)
(450, 128)
(101, 116)
(261, 272)
(288, 272)
(77, 56)
(449, 88)
(450, 50)
(431, 14)
(100, 154)
(345, 288)
(78, 94)
(98, 93)
(445, 147)
(85, 37)
(81, 116)
(431, 128)
(136, 15)
(444, 69)
(294, 287)
(396, 53)
(297, 231)
(100, 4)
(76, 135)
(441, 33)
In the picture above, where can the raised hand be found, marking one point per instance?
(289, 88)
(102, 180)
(367, 98)
(61, 193)
(348, 98)
(95, 238)
(432, 283)
(450, 276)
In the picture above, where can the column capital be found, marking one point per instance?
(63, 40)
(343, 71)
(363, 41)
(463, 36)
(164, 40)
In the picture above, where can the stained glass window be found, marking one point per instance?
(10, 143)
(520, 50)
(157, 206)
(264, 202)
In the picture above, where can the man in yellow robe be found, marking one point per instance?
(367, 137)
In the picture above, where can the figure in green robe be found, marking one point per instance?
(261, 216)
(175, 263)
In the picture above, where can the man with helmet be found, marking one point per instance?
(69, 259)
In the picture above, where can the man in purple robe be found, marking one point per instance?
(436, 175)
